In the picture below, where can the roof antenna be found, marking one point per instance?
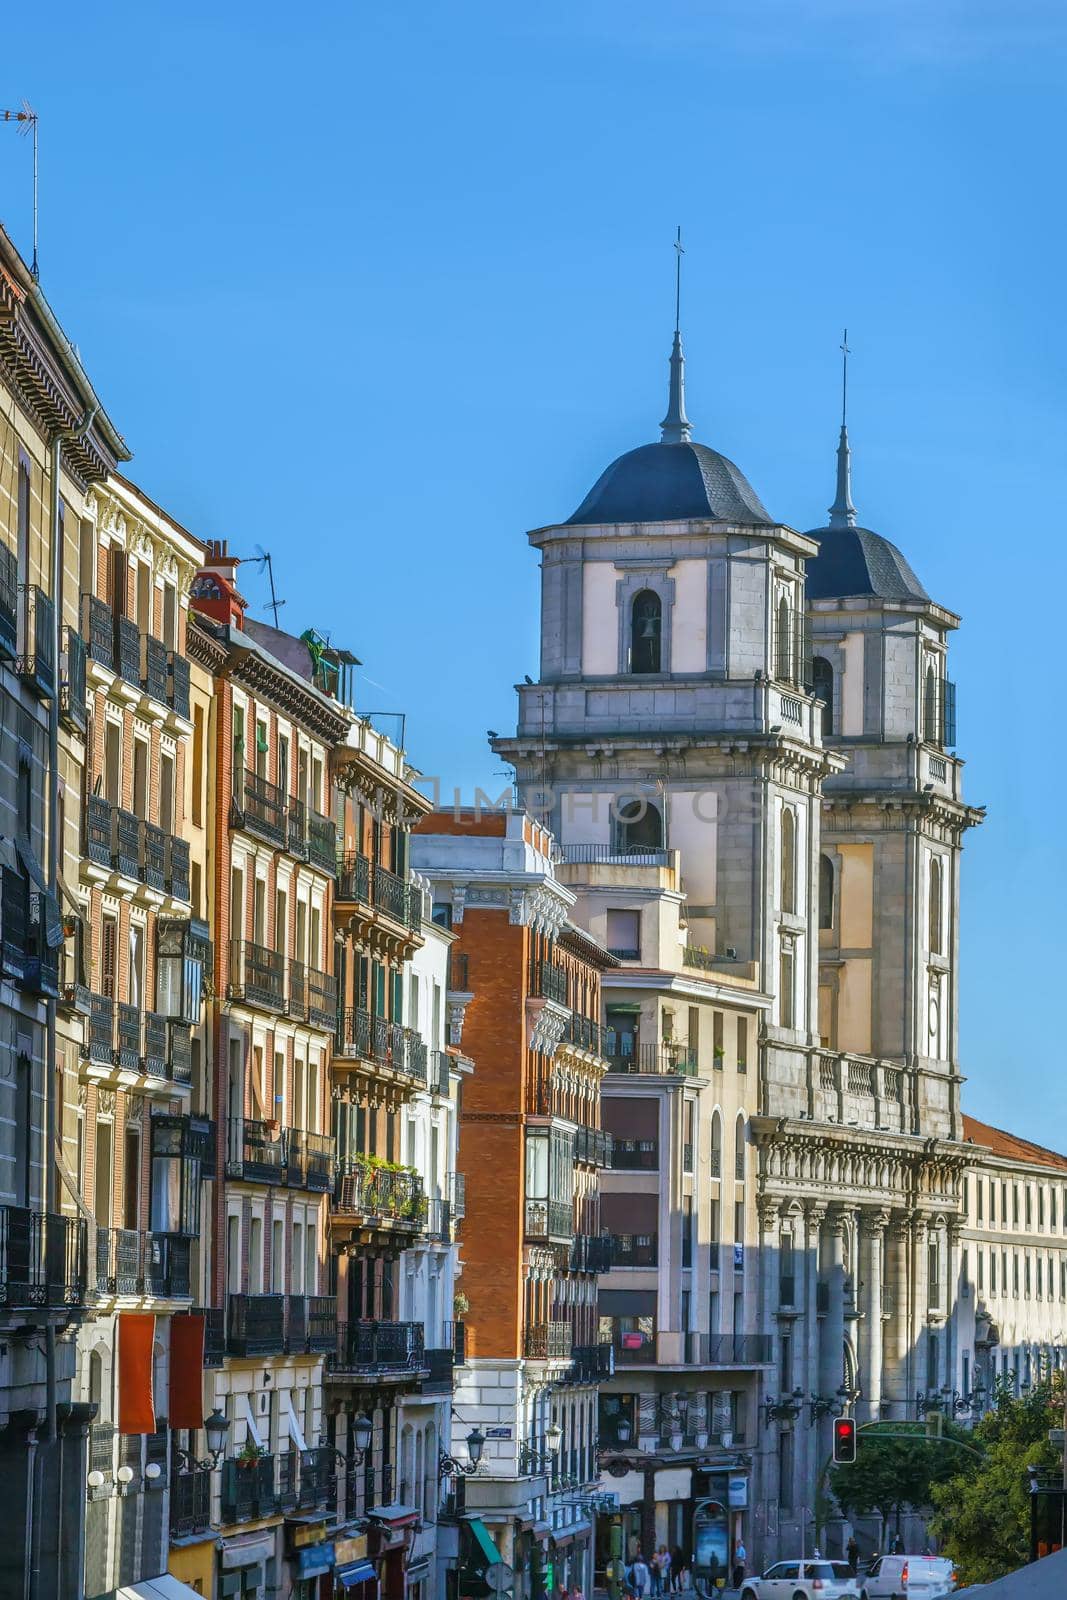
(262, 559)
(675, 427)
(843, 512)
(27, 120)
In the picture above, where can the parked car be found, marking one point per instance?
(803, 1580)
(909, 1578)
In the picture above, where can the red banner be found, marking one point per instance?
(137, 1333)
(186, 1372)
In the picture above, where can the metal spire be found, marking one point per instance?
(843, 512)
(675, 427)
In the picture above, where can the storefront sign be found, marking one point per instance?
(737, 1491)
(315, 1560)
(348, 1550)
(305, 1533)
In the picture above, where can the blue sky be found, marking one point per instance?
(379, 288)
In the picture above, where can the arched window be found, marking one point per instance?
(638, 827)
(716, 1145)
(822, 678)
(826, 892)
(739, 1149)
(931, 730)
(646, 628)
(789, 859)
(783, 644)
(935, 898)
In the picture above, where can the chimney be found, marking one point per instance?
(214, 590)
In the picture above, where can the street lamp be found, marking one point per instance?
(216, 1428)
(448, 1466)
(553, 1438)
(822, 1406)
(362, 1434)
(623, 1431)
(784, 1408)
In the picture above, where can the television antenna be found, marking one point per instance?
(260, 560)
(26, 120)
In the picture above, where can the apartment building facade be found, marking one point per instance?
(680, 1417)
(56, 444)
(525, 993)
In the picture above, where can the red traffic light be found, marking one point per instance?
(844, 1441)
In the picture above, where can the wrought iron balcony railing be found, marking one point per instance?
(72, 681)
(255, 1324)
(98, 626)
(256, 1151)
(372, 1347)
(134, 1263)
(362, 882)
(549, 1219)
(9, 601)
(548, 1341)
(178, 685)
(322, 842)
(128, 651)
(364, 1189)
(321, 998)
(257, 974)
(262, 806)
(43, 1259)
(37, 661)
(155, 668)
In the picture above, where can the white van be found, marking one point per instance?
(909, 1578)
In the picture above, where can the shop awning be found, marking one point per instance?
(395, 1515)
(485, 1552)
(356, 1572)
(165, 1587)
(627, 1302)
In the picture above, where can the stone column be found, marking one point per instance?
(920, 1291)
(874, 1225)
(896, 1327)
(953, 1233)
(831, 1362)
(768, 1269)
(806, 1364)
(765, 1487)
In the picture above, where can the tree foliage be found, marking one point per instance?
(892, 1473)
(982, 1513)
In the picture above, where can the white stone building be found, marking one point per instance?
(1013, 1288)
(775, 707)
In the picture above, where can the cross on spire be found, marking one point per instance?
(675, 427)
(843, 512)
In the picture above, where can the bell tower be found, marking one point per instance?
(894, 817)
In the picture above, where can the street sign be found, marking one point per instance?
(1057, 1438)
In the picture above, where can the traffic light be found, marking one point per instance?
(844, 1441)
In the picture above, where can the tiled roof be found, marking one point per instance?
(1010, 1146)
(857, 561)
(671, 483)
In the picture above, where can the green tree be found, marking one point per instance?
(897, 1466)
(982, 1515)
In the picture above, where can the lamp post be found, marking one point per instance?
(448, 1466)
(785, 1407)
(216, 1429)
(832, 1406)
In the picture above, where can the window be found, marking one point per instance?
(932, 1353)
(255, 1256)
(934, 908)
(105, 1132)
(979, 1189)
(262, 749)
(1015, 1205)
(783, 651)
(109, 937)
(823, 687)
(170, 616)
(198, 766)
(992, 1272)
(646, 626)
(992, 1202)
(789, 859)
(1015, 1273)
(933, 1271)
(624, 934)
(981, 1271)
(930, 707)
(742, 1044)
(718, 1038)
(786, 1003)
(233, 1254)
(739, 1156)
(166, 792)
(826, 892)
(638, 828)
(1028, 1203)
(277, 1257)
(144, 598)
(238, 741)
(132, 1176)
(716, 1145)
(113, 762)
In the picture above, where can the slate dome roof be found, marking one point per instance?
(671, 482)
(858, 561)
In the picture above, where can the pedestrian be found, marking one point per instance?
(677, 1568)
(655, 1575)
(853, 1553)
(898, 1545)
(575, 1592)
(740, 1563)
(665, 1568)
(642, 1578)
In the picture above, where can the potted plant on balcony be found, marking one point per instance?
(249, 1454)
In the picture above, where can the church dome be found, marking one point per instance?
(857, 561)
(854, 561)
(671, 482)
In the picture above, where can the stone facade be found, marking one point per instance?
(817, 834)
